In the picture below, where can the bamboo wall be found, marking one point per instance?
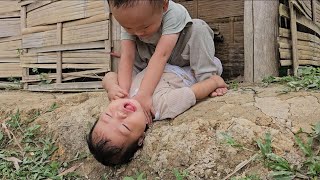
(10, 39)
(299, 33)
(65, 44)
(226, 19)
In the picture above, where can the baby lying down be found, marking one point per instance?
(120, 130)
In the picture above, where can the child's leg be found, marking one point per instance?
(195, 47)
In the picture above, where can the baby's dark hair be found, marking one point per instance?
(108, 154)
(131, 3)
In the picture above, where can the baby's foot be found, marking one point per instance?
(219, 92)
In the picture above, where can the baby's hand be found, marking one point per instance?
(222, 86)
(116, 92)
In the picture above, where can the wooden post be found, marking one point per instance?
(23, 18)
(59, 53)
(260, 39)
(115, 42)
(294, 38)
(195, 8)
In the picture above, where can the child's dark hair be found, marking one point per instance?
(108, 154)
(131, 3)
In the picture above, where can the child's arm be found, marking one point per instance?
(155, 69)
(125, 67)
(204, 88)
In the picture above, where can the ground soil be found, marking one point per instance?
(193, 141)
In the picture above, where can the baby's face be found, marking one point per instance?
(142, 20)
(123, 122)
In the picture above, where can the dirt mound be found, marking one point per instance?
(194, 141)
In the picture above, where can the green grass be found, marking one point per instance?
(280, 168)
(180, 175)
(308, 79)
(25, 154)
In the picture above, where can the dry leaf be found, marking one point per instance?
(15, 161)
(73, 168)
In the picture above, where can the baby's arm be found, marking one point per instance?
(111, 85)
(204, 88)
(125, 66)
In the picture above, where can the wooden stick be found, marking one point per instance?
(294, 38)
(59, 53)
(36, 29)
(25, 71)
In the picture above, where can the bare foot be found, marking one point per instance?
(219, 92)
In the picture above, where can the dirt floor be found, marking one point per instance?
(193, 141)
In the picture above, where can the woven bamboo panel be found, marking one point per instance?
(10, 40)
(298, 47)
(210, 10)
(226, 19)
(65, 50)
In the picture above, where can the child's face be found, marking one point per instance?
(123, 122)
(142, 20)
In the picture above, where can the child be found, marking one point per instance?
(156, 32)
(119, 132)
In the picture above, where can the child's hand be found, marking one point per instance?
(222, 86)
(146, 103)
(116, 92)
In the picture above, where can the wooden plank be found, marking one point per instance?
(37, 29)
(12, 38)
(39, 39)
(284, 11)
(26, 2)
(308, 23)
(64, 47)
(306, 5)
(314, 8)
(300, 8)
(14, 14)
(93, 19)
(294, 39)
(9, 27)
(66, 76)
(66, 66)
(81, 56)
(9, 59)
(62, 11)
(285, 62)
(37, 4)
(301, 36)
(66, 86)
(86, 33)
(10, 70)
(9, 85)
(9, 6)
(10, 45)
